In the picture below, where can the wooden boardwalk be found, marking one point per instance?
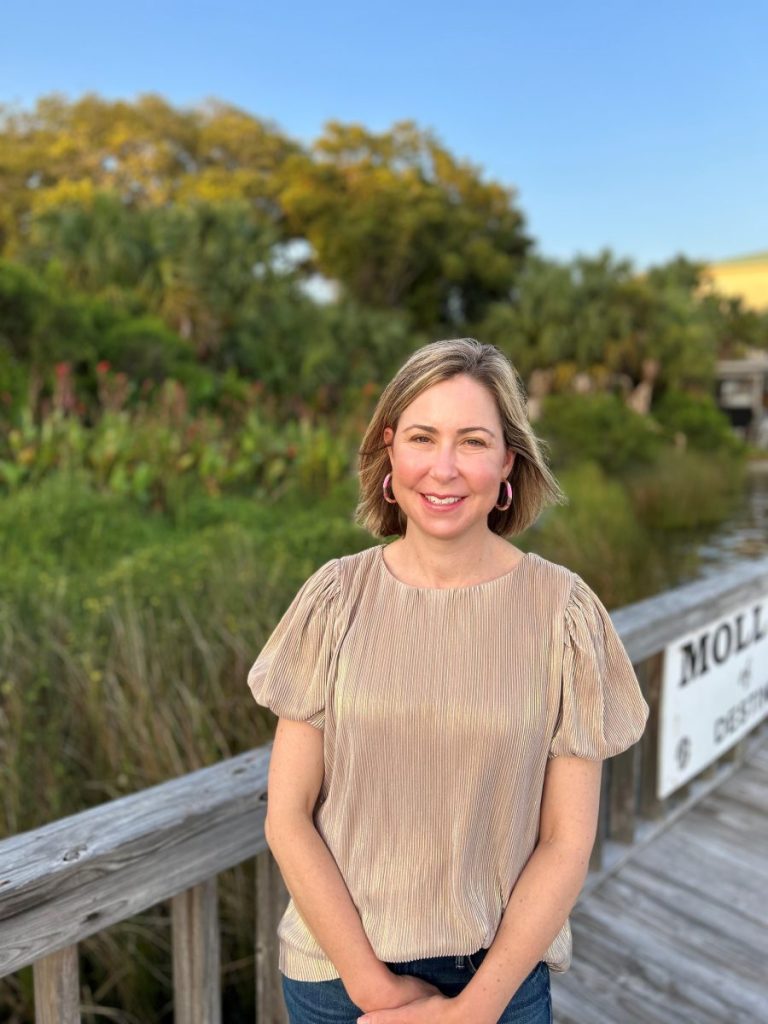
(679, 933)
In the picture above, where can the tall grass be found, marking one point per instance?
(687, 490)
(125, 642)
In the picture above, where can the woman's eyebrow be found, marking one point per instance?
(461, 430)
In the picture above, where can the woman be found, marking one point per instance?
(445, 703)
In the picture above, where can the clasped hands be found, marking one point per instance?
(422, 1003)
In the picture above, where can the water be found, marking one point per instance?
(742, 537)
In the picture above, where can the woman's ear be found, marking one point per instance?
(509, 462)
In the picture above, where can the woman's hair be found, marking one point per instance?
(534, 486)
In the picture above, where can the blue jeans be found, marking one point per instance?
(327, 1002)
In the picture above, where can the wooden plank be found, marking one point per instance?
(706, 833)
(748, 794)
(669, 964)
(700, 924)
(57, 987)
(196, 955)
(67, 880)
(648, 626)
(707, 872)
(644, 989)
(678, 932)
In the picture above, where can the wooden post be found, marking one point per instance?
(736, 753)
(649, 676)
(57, 987)
(196, 955)
(622, 807)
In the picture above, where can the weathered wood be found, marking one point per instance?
(57, 987)
(647, 627)
(736, 752)
(649, 674)
(196, 955)
(271, 900)
(623, 795)
(67, 880)
(678, 931)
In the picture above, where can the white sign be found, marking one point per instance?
(714, 691)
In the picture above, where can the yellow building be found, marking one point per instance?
(745, 277)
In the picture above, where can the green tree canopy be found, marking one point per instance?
(403, 224)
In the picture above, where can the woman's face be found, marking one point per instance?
(434, 453)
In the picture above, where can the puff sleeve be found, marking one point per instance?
(602, 711)
(290, 673)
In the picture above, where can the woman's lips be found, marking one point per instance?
(448, 507)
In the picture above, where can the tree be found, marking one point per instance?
(596, 315)
(147, 152)
(403, 224)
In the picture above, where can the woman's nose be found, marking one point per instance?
(444, 460)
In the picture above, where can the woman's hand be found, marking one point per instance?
(418, 1002)
(426, 1010)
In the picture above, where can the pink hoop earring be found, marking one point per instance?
(503, 508)
(393, 499)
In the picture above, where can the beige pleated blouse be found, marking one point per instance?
(439, 710)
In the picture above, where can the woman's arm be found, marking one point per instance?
(309, 869)
(545, 891)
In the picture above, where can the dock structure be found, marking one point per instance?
(679, 931)
(741, 392)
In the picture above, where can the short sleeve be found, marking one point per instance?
(290, 673)
(603, 711)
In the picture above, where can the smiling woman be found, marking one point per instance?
(445, 703)
(448, 463)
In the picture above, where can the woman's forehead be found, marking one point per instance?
(453, 404)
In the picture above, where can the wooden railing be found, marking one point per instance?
(630, 810)
(69, 879)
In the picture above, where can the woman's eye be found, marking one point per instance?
(423, 437)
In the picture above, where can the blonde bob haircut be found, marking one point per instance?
(533, 485)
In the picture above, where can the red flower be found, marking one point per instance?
(62, 369)
(102, 366)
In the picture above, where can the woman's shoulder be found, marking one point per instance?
(354, 569)
(554, 574)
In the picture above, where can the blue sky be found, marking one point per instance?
(639, 126)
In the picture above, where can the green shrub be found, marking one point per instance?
(597, 535)
(145, 349)
(598, 428)
(705, 426)
(687, 490)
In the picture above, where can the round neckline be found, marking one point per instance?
(449, 590)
